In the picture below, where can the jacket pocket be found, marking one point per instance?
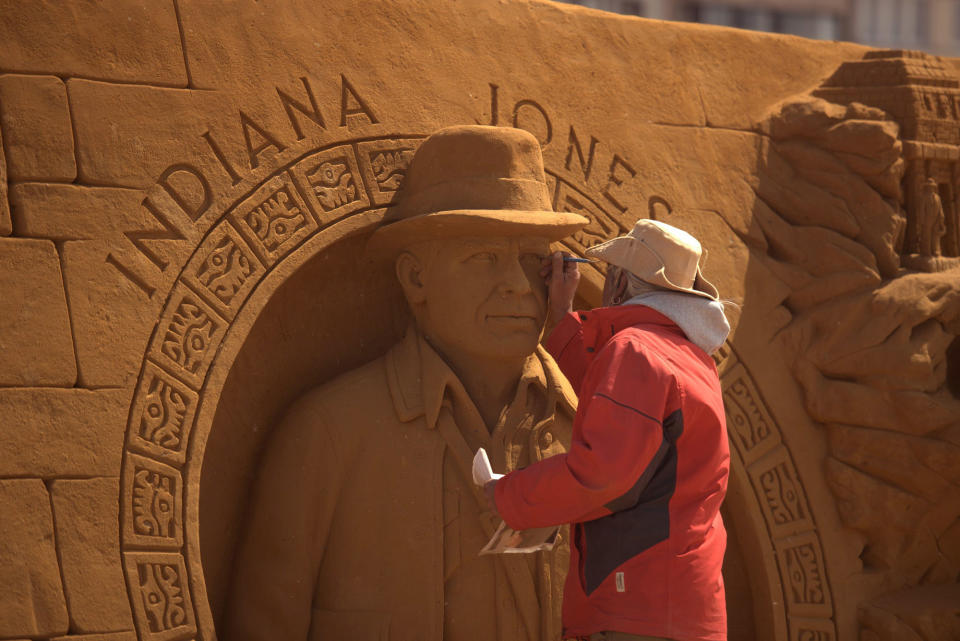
(349, 625)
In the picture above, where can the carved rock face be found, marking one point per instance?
(872, 346)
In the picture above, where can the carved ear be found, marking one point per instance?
(409, 270)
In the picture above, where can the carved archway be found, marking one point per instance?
(326, 196)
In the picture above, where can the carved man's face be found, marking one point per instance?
(482, 296)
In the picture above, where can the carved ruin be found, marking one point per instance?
(186, 194)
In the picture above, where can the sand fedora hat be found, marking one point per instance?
(473, 180)
(660, 254)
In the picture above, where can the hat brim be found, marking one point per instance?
(655, 274)
(392, 238)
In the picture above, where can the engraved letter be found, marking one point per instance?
(546, 119)
(494, 106)
(615, 181)
(268, 140)
(585, 165)
(193, 211)
(234, 176)
(652, 206)
(313, 112)
(137, 237)
(346, 91)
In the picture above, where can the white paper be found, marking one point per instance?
(506, 540)
(482, 472)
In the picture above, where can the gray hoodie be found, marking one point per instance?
(701, 319)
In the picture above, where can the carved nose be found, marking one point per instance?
(515, 278)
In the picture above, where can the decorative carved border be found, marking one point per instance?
(253, 236)
(248, 241)
(781, 499)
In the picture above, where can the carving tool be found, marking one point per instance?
(574, 259)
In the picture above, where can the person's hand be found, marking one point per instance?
(562, 280)
(489, 491)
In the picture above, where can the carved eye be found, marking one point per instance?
(484, 257)
(154, 410)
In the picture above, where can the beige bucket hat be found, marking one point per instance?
(473, 180)
(660, 254)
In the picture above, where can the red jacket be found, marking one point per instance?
(642, 482)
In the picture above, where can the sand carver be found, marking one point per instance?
(647, 470)
(364, 523)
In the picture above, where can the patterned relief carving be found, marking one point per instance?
(781, 494)
(161, 596)
(224, 269)
(801, 563)
(331, 183)
(273, 219)
(780, 489)
(162, 415)
(384, 164)
(749, 424)
(782, 501)
(811, 630)
(153, 516)
(188, 335)
(601, 227)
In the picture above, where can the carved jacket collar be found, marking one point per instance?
(420, 380)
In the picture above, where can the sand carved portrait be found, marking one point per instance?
(364, 517)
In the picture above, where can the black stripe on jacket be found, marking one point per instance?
(641, 516)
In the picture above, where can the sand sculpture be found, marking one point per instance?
(365, 519)
(185, 194)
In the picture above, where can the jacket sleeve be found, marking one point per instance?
(288, 520)
(565, 345)
(620, 436)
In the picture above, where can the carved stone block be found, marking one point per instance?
(37, 131)
(782, 497)
(61, 432)
(332, 183)
(85, 514)
(6, 224)
(159, 591)
(804, 576)
(274, 219)
(750, 427)
(187, 336)
(224, 270)
(36, 331)
(162, 416)
(153, 505)
(32, 600)
(812, 630)
(384, 163)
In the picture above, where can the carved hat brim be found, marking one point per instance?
(391, 239)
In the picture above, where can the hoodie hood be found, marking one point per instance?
(701, 319)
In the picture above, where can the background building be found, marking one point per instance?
(928, 25)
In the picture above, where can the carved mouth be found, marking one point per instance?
(515, 318)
